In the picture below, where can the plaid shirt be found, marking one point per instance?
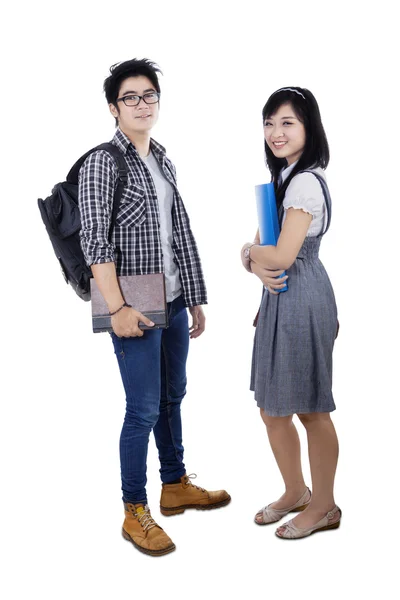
(135, 246)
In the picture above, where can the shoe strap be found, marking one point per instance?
(270, 515)
(292, 531)
(329, 515)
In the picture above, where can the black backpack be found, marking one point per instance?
(60, 214)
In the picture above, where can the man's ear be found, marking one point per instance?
(113, 110)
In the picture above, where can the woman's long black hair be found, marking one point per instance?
(316, 149)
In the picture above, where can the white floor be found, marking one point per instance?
(62, 513)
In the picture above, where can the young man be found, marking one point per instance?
(152, 235)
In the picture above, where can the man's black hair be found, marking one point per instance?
(130, 68)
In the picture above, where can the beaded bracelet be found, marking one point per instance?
(120, 308)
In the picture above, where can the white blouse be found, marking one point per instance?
(305, 193)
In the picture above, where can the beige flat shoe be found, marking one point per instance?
(327, 522)
(272, 515)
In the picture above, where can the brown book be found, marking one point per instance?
(146, 293)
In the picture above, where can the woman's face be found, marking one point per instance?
(285, 134)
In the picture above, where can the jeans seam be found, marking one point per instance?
(121, 358)
(168, 406)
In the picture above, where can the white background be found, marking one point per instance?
(62, 399)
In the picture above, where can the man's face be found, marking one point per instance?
(142, 117)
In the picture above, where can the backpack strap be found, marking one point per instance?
(327, 198)
(122, 168)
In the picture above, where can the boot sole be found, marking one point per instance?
(127, 537)
(298, 509)
(178, 510)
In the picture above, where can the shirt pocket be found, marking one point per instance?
(132, 208)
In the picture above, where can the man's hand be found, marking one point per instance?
(126, 322)
(269, 278)
(198, 321)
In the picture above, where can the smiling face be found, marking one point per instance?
(285, 134)
(136, 119)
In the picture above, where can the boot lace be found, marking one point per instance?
(193, 476)
(145, 519)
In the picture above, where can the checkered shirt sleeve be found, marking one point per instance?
(97, 180)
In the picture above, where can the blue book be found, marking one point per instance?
(268, 223)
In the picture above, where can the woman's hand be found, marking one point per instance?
(269, 278)
(246, 261)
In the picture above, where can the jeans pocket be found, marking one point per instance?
(118, 344)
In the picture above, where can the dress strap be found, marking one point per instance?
(327, 197)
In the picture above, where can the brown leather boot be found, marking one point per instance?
(177, 497)
(140, 528)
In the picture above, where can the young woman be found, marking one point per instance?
(296, 329)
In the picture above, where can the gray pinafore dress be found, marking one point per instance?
(293, 344)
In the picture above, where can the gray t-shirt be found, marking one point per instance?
(165, 196)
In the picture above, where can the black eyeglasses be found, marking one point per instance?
(149, 98)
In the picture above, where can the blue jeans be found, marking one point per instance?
(153, 371)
